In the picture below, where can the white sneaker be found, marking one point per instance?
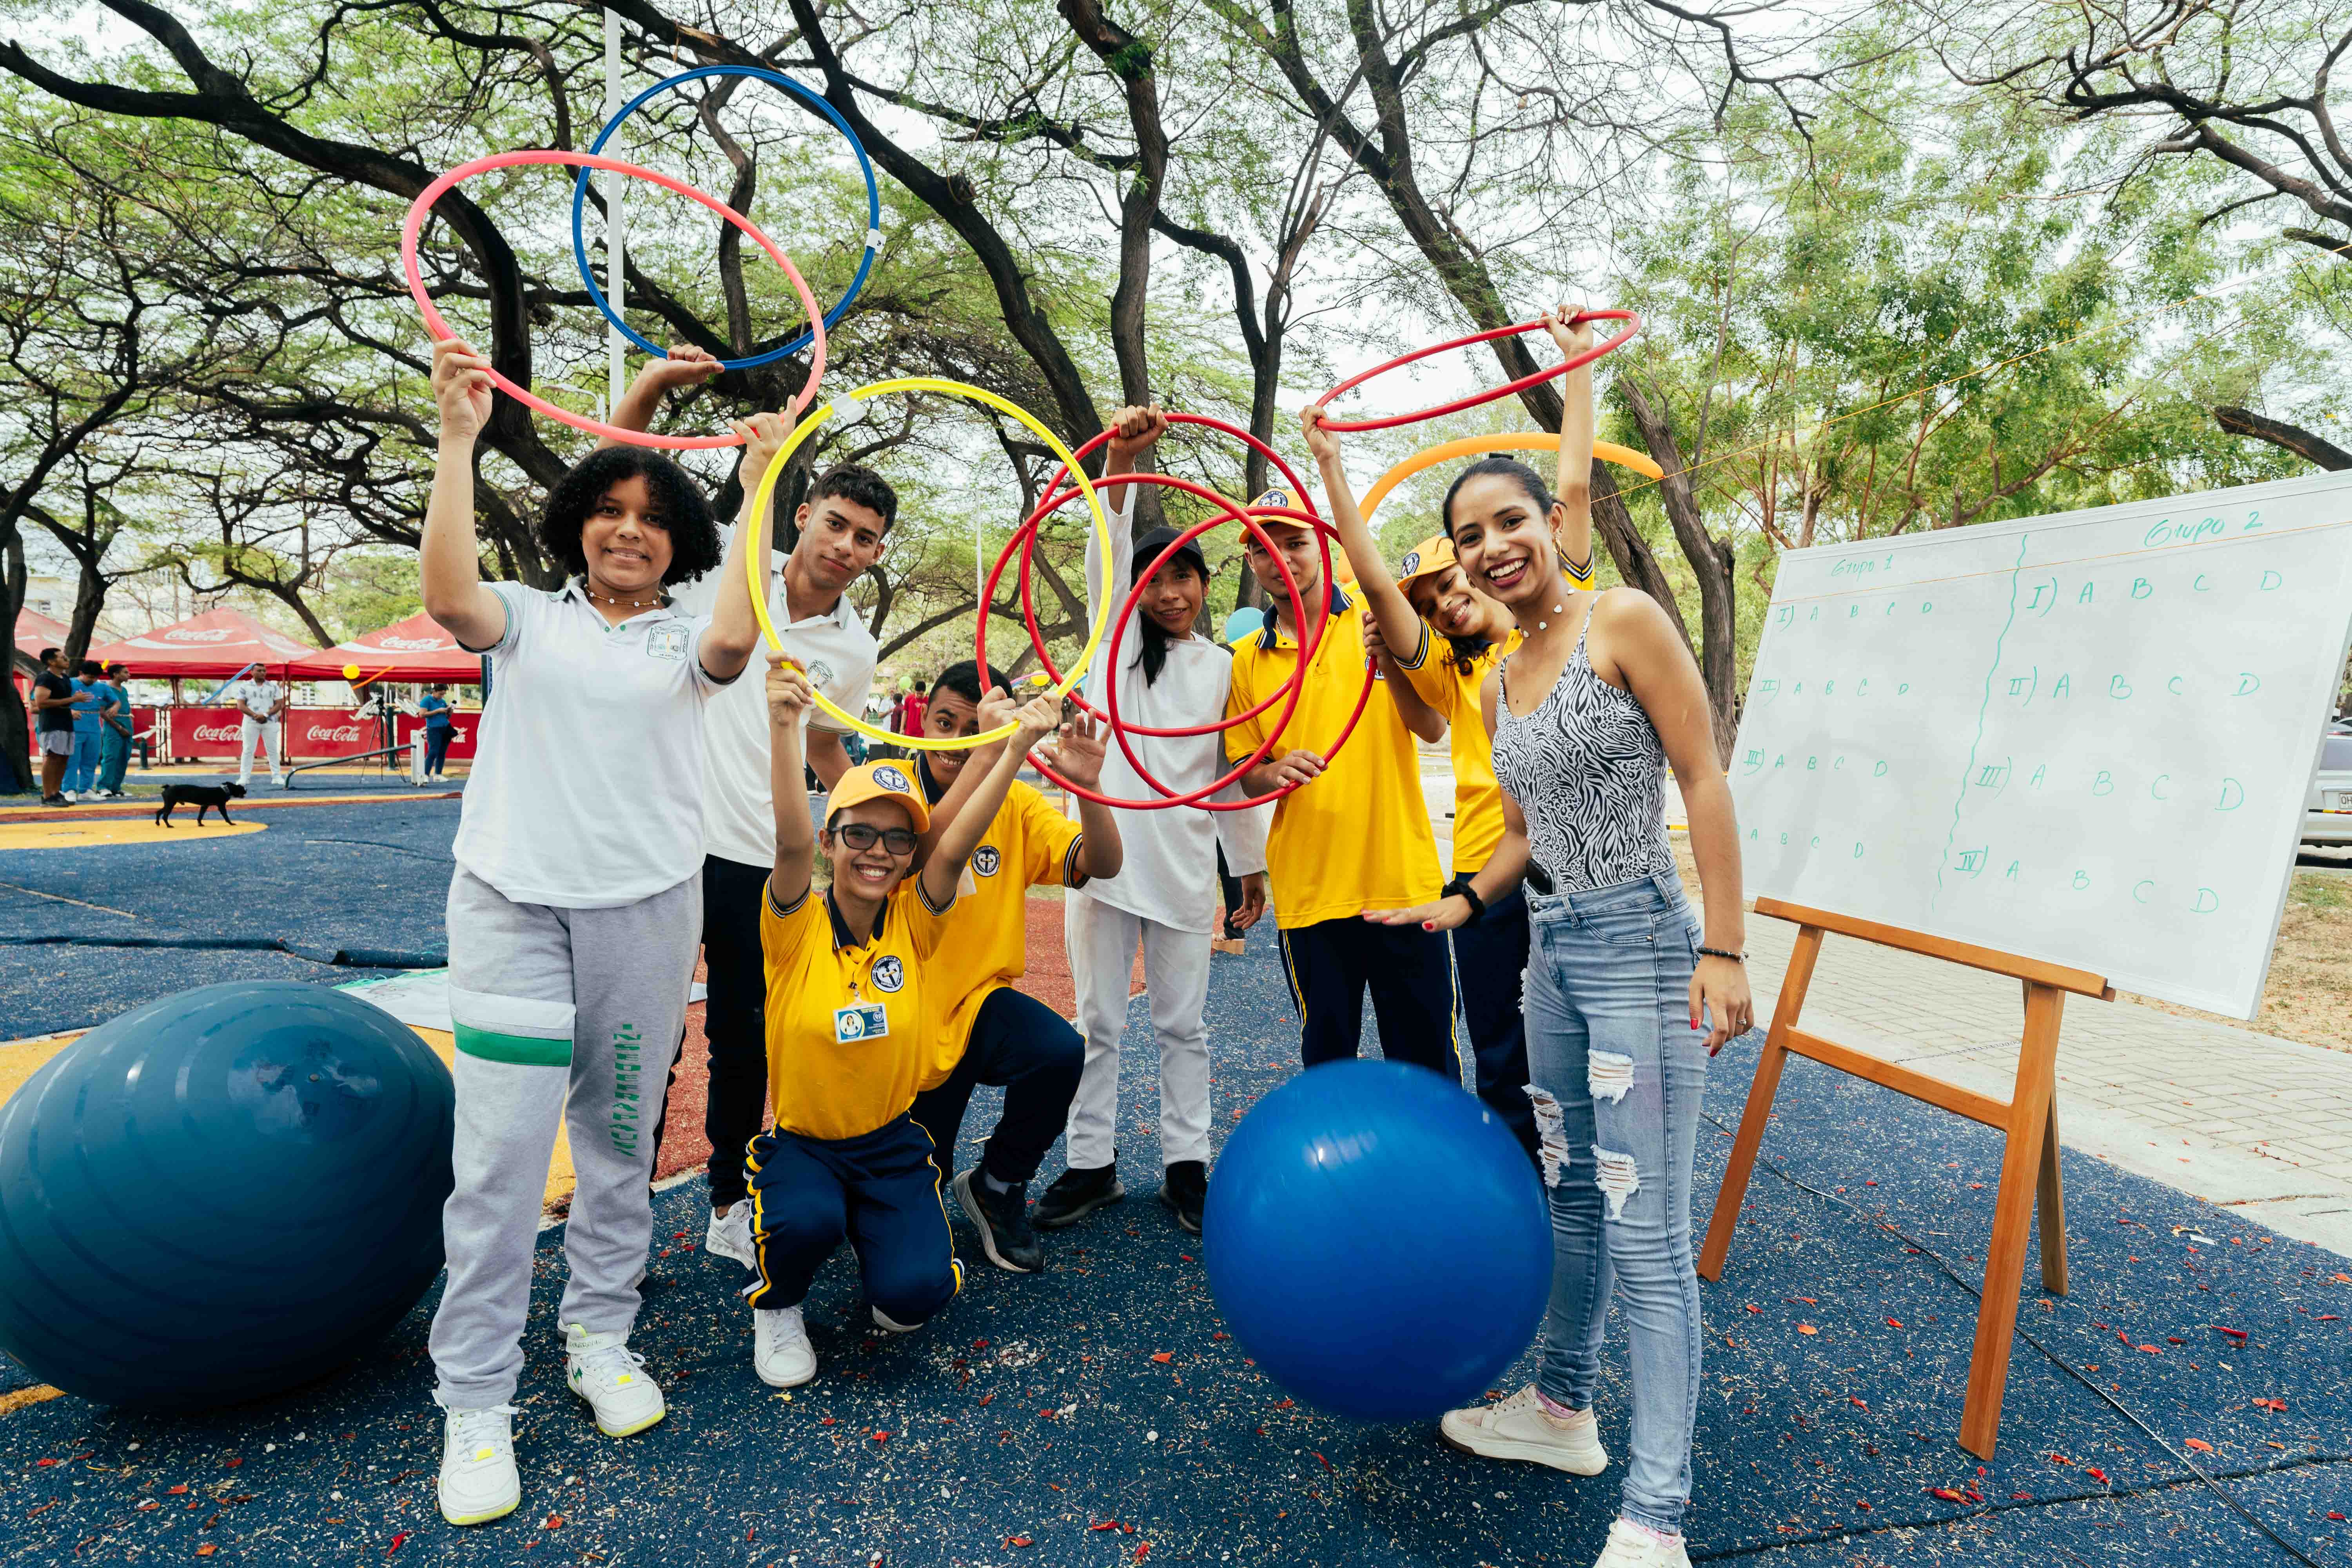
(780, 1352)
(890, 1325)
(1631, 1546)
(1519, 1427)
(729, 1235)
(602, 1369)
(73, 797)
(478, 1482)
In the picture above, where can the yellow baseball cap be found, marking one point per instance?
(888, 781)
(1431, 556)
(1283, 496)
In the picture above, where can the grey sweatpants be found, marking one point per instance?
(570, 1013)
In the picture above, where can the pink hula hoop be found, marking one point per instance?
(414, 225)
(1632, 324)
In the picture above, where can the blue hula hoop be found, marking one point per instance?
(808, 96)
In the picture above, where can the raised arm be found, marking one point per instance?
(449, 560)
(1655, 667)
(686, 367)
(1077, 756)
(788, 704)
(1385, 602)
(1572, 486)
(734, 629)
(953, 843)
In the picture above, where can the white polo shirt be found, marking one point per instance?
(587, 784)
(738, 814)
(254, 699)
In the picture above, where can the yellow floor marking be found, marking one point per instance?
(12, 1403)
(90, 833)
(20, 1059)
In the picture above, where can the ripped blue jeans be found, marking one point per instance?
(1617, 1075)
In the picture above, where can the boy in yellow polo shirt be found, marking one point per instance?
(1353, 835)
(988, 1032)
(1447, 638)
(848, 1037)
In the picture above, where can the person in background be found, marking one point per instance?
(439, 726)
(258, 701)
(92, 698)
(841, 527)
(911, 709)
(53, 700)
(115, 736)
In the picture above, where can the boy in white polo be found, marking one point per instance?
(843, 529)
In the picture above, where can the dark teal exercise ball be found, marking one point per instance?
(220, 1194)
(1378, 1241)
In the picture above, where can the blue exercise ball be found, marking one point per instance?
(1378, 1241)
(220, 1194)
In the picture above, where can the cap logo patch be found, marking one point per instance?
(1412, 561)
(892, 779)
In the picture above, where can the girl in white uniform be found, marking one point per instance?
(1165, 895)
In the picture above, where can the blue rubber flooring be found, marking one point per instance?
(330, 893)
(1029, 1423)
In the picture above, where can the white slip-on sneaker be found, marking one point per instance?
(602, 1369)
(1519, 1427)
(780, 1352)
(478, 1480)
(1631, 1546)
(729, 1235)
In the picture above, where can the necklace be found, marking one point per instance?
(1556, 610)
(597, 597)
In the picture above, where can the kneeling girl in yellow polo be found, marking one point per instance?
(845, 1039)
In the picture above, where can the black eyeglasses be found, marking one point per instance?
(863, 836)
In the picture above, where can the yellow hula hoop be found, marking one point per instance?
(1516, 441)
(765, 496)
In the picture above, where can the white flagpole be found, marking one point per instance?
(616, 347)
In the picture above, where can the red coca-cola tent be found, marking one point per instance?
(214, 645)
(416, 649)
(36, 631)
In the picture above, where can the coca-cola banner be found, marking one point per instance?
(203, 734)
(465, 723)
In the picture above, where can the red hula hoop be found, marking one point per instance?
(414, 225)
(1298, 685)
(1055, 501)
(1027, 540)
(1632, 325)
(1299, 675)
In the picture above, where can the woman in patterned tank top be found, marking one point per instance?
(1625, 1000)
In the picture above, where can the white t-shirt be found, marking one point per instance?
(1169, 871)
(586, 791)
(738, 814)
(254, 699)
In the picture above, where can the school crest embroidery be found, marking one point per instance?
(986, 859)
(893, 779)
(889, 975)
(667, 642)
(1412, 563)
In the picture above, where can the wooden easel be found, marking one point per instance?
(2029, 1121)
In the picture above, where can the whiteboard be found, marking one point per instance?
(2084, 738)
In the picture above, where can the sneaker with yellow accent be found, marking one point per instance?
(1519, 1427)
(478, 1480)
(780, 1352)
(602, 1369)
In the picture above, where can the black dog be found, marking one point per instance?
(204, 798)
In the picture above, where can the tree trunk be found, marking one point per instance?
(1711, 559)
(1636, 563)
(89, 598)
(15, 744)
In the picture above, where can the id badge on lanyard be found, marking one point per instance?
(860, 1021)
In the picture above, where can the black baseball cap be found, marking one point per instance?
(1154, 544)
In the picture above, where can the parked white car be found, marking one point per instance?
(2327, 810)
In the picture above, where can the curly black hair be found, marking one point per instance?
(684, 511)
